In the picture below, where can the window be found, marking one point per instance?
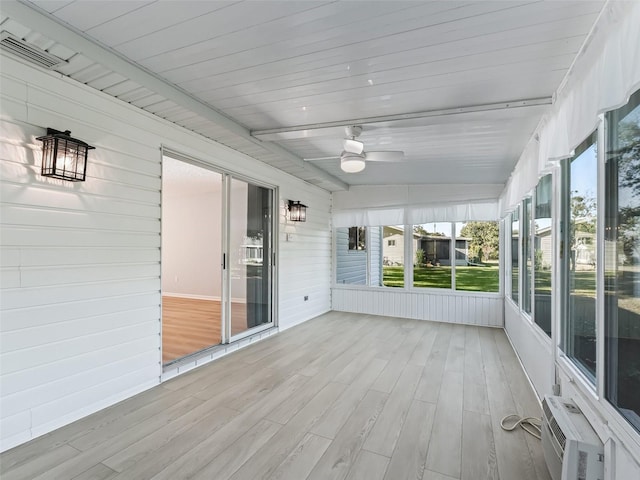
(580, 301)
(392, 256)
(357, 238)
(432, 255)
(622, 260)
(542, 254)
(477, 256)
(351, 263)
(515, 255)
(526, 255)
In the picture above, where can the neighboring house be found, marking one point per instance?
(583, 250)
(393, 245)
(543, 245)
(437, 249)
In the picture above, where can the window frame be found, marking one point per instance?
(532, 241)
(525, 277)
(592, 381)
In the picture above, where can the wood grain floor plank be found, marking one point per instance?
(267, 459)
(410, 454)
(152, 448)
(455, 354)
(514, 460)
(420, 354)
(41, 463)
(526, 403)
(430, 475)
(475, 387)
(332, 421)
(303, 403)
(368, 466)
(386, 431)
(429, 386)
(97, 472)
(146, 404)
(231, 459)
(291, 406)
(341, 455)
(478, 448)
(302, 459)
(199, 456)
(112, 445)
(445, 451)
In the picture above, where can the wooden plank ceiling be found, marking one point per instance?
(284, 64)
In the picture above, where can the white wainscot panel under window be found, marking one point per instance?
(442, 306)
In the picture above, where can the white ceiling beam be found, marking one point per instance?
(310, 130)
(35, 18)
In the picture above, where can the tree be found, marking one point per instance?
(419, 230)
(484, 239)
(583, 212)
(628, 155)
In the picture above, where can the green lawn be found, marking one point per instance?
(477, 279)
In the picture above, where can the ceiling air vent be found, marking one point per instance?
(28, 52)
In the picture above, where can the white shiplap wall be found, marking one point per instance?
(441, 306)
(80, 293)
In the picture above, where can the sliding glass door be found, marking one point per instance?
(191, 252)
(217, 258)
(250, 256)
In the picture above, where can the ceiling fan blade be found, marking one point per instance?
(386, 156)
(315, 159)
(352, 145)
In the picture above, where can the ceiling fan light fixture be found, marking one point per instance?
(352, 145)
(351, 162)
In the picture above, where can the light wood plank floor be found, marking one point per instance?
(343, 396)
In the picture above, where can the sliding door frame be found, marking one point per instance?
(227, 176)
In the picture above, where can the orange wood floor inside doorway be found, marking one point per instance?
(190, 325)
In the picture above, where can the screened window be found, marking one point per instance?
(580, 328)
(392, 256)
(432, 255)
(515, 255)
(542, 254)
(351, 263)
(622, 261)
(526, 255)
(477, 256)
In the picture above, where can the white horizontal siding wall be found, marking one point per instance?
(441, 306)
(351, 265)
(304, 260)
(80, 262)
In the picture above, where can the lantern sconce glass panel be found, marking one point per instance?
(64, 157)
(297, 211)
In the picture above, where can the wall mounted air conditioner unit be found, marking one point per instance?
(572, 449)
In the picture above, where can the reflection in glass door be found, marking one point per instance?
(250, 256)
(191, 252)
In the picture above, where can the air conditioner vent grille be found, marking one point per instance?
(28, 52)
(557, 432)
(553, 424)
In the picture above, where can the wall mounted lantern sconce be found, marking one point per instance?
(64, 157)
(297, 211)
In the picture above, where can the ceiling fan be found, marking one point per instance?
(353, 158)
